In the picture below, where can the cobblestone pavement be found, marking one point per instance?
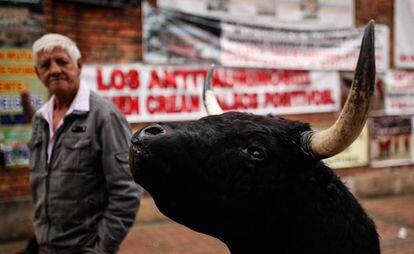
(394, 217)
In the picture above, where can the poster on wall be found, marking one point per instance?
(298, 13)
(13, 144)
(148, 93)
(404, 37)
(355, 155)
(270, 47)
(174, 37)
(21, 22)
(399, 98)
(16, 76)
(391, 141)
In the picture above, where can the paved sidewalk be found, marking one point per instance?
(394, 217)
(154, 234)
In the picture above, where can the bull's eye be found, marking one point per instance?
(256, 152)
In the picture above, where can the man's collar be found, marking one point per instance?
(81, 100)
(79, 104)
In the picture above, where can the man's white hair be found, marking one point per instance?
(50, 41)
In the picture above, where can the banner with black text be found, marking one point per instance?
(270, 47)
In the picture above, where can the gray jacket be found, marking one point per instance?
(85, 199)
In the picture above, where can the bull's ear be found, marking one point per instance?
(348, 126)
(209, 99)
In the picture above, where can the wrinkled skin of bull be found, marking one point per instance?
(244, 179)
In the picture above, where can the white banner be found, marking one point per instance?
(176, 38)
(308, 14)
(403, 33)
(149, 93)
(268, 47)
(399, 98)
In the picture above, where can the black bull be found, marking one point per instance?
(251, 182)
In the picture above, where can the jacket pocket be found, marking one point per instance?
(78, 155)
(75, 144)
(33, 143)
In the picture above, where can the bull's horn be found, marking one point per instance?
(348, 126)
(210, 101)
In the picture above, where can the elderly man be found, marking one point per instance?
(84, 197)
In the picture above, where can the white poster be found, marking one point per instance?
(399, 98)
(148, 93)
(315, 14)
(403, 33)
(391, 141)
(268, 47)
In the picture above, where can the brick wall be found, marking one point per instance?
(103, 34)
(382, 11)
(113, 35)
(14, 183)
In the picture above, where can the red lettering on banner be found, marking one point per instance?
(293, 77)
(223, 77)
(155, 81)
(176, 79)
(101, 85)
(133, 79)
(169, 80)
(239, 101)
(189, 77)
(119, 80)
(172, 104)
(127, 104)
(252, 78)
(299, 98)
(277, 99)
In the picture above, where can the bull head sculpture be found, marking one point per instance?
(257, 182)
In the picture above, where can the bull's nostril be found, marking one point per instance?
(154, 130)
(134, 140)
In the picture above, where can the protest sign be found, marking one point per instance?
(147, 93)
(269, 47)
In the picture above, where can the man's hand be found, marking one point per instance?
(28, 109)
